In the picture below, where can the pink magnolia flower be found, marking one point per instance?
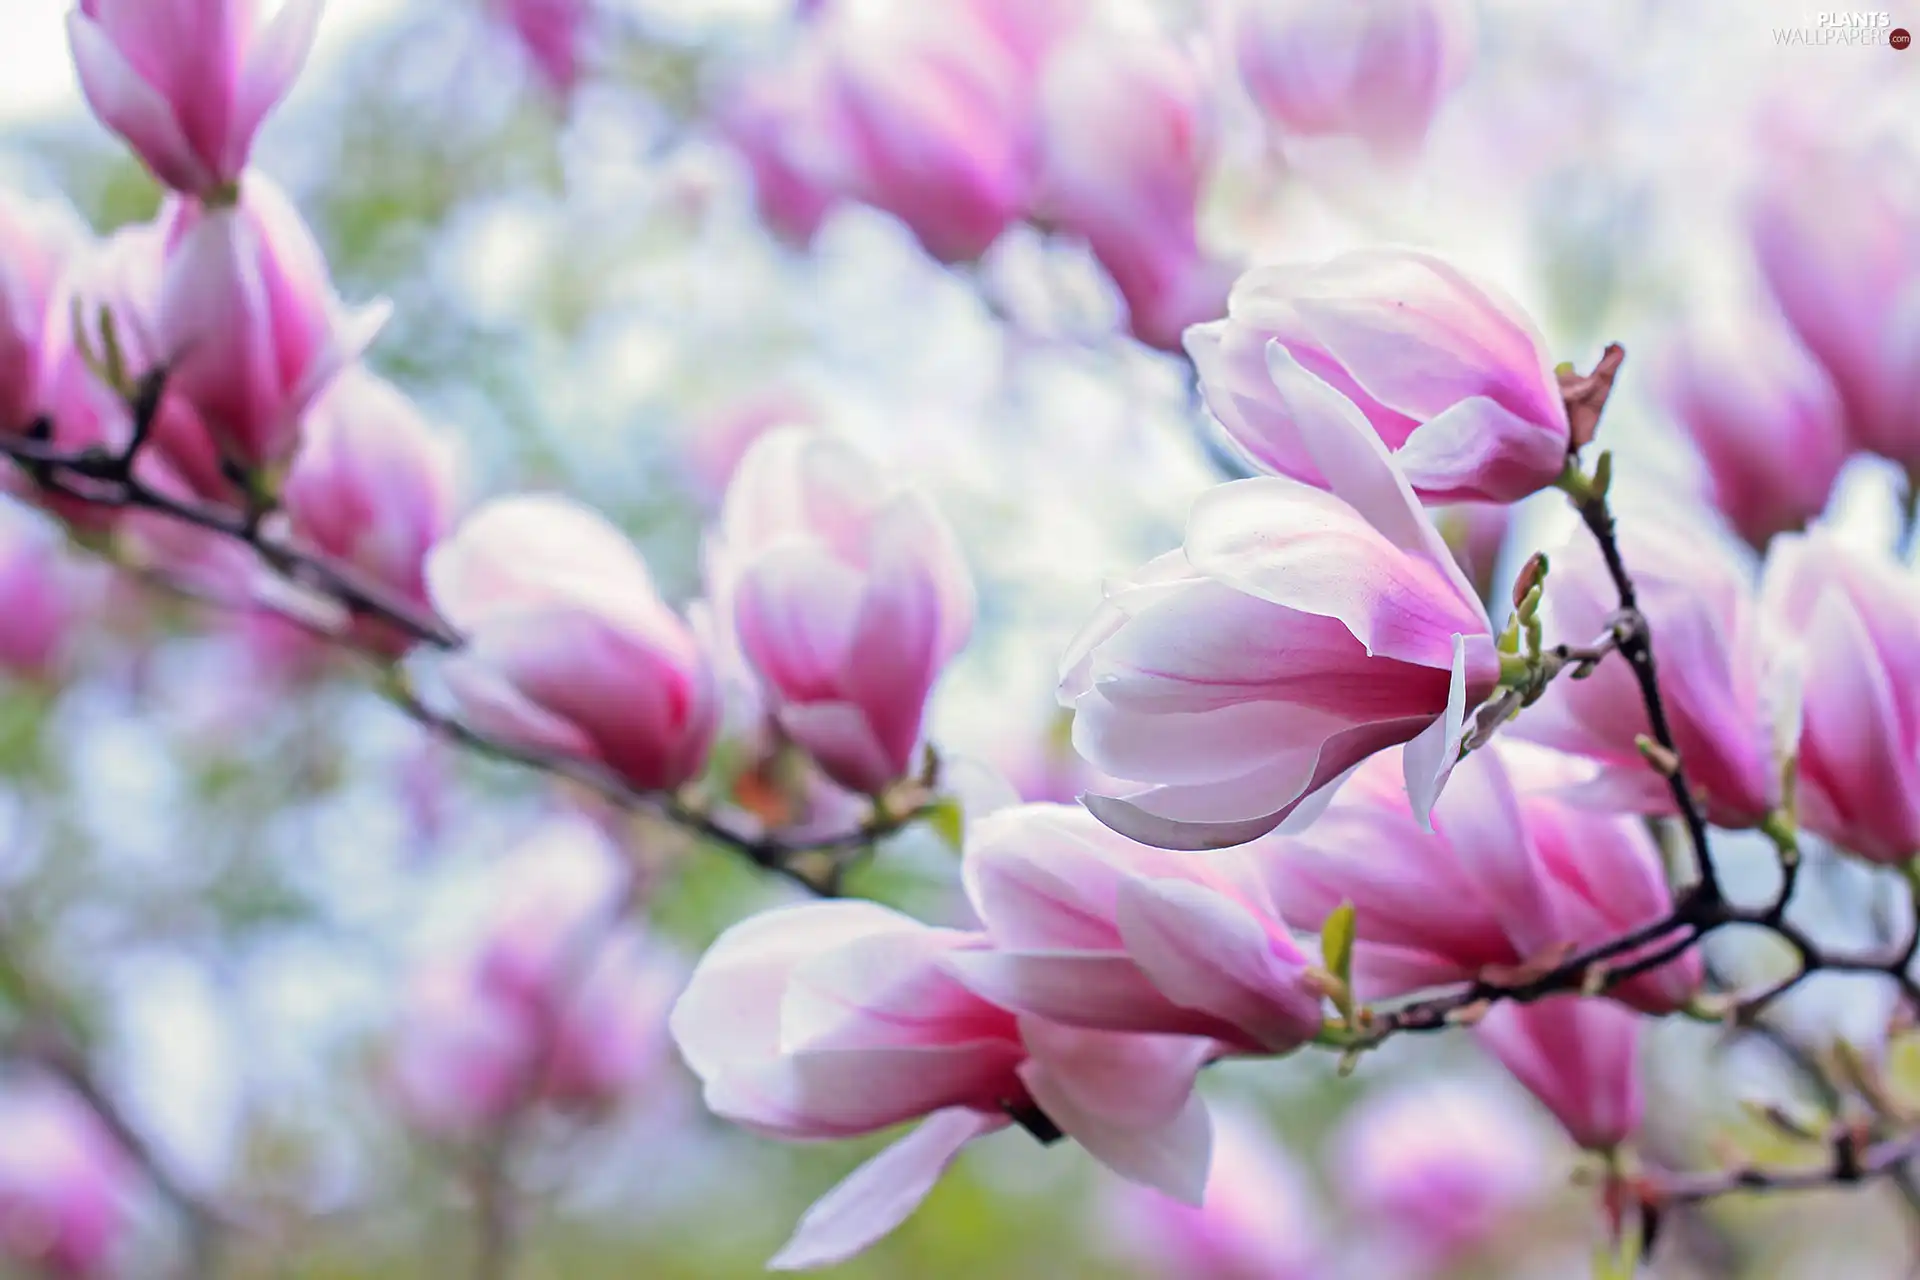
(1299, 632)
(1841, 252)
(39, 594)
(187, 84)
(1697, 598)
(569, 646)
(1127, 141)
(1093, 930)
(1847, 622)
(846, 595)
(835, 1019)
(1377, 70)
(1765, 421)
(929, 118)
(1439, 1170)
(1258, 1219)
(37, 238)
(120, 277)
(1578, 1057)
(1508, 874)
(250, 317)
(775, 121)
(65, 1184)
(1449, 373)
(374, 487)
(557, 1001)
(552, 33)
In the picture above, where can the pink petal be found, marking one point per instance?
(880, 1194)
(1208, 954)
(273, 63)
(1099, 991)
(1127, 1099)
(1478, 450)
(1431, 756)
(839, 737)
(134, 109)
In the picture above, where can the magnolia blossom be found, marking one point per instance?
(374, 487)
(1258, 1218)
(1769, 429)
(1449, 373)
(1439, 1170)
(249, 315)
(555, 1002)
(39, 594)
(928, 117)
(1093, 930)
(774, 122)
(551, 32)
(187, 84)
(847, 596)
(569, 646)
(65, 1184)
(1507, 874)
(1849, 623)
(1297, 633)
(36, 240)
(1840, 249)
(1578, 1056)
(835, 1019)
(1696, 595)
(1377, 70)
(117, 282)
(1127, 141)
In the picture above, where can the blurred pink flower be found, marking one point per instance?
(374, 487)
(720, 438)
(1299, 632)
(1507, 875)
(121, 276)
(775, 121)
(1578, 1056)
(40, 594)
(552, 33)
(836, 1019)
(65, 1184)
(1847, 622)
(1257, 1222)
(569, 647)
(929, 118)
(1127, 141)
(558, 1002)
(1437, 1172)
(846, 595)
(249, 315)
(1697, 596)
(1765, 421)
(1377, 70)
(1449, 373)
(1092, 930)
(1841, 252)
(187, 84)
(37, 239)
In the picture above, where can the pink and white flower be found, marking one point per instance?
(835, 1019)
(569, 647)
(187, 84)
(1449, 373)
(847, 595)
(1300, 631)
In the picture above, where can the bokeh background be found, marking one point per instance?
(224, 855)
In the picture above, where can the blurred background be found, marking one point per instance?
(235, 869)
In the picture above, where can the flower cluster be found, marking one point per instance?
(962, 120)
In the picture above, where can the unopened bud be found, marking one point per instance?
(1533, 576)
